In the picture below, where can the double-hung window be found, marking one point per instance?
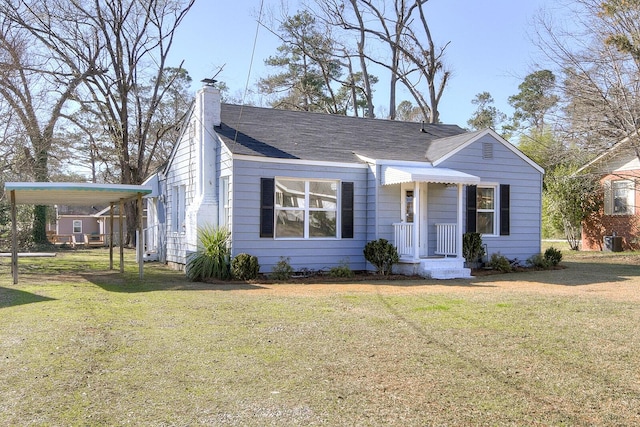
(619, 198)
(178, 213)
(306, 208)
(488, 209)
(77, 226)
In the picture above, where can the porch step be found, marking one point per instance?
(448, 273)
(435, 268)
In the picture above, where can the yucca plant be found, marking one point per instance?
(213, 256)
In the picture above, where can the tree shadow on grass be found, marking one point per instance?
(160, 280)
(13, 297)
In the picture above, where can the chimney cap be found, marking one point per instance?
(209, 82)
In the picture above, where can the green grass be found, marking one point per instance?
(80, 345)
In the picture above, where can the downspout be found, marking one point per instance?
(416, 220)
(459, 226)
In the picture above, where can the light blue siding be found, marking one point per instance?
(313, 254)
(506, 167)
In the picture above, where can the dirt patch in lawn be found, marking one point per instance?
(576, 279)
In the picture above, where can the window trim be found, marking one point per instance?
(502, 214)
(610, 198)
(73, 226)
(307, 209)
(179, 209)
(495, 210)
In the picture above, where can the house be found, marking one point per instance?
(616, 225)
(87, 226)
(315, 188)
(72, 224)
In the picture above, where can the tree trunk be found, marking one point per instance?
(41, 174)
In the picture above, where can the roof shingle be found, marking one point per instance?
(301, 135)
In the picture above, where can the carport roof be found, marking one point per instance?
(72, 193)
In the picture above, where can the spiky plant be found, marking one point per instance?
(212, 258)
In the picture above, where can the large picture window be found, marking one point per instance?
(305, 208)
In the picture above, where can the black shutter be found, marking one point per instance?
(505, 221)
(267, 199)
(346, 213)
(472, 206)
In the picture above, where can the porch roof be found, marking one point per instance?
(397, 174)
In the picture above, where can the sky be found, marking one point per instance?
(490, 48)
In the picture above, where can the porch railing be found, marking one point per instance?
(446, 239)
(403, 232)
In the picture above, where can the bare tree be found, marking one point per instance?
(113, 48)
(413, 56)
(36, 85)
(601, 85)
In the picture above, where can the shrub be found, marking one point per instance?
(538, 261)
(282, 270)
(342, 270)
(212, 257)
(382, 255)
(500, 263)
(245, 267)
(472, 249)
(553, 256)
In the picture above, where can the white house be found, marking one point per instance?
(315, 188)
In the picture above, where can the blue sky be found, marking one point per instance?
(490, 47)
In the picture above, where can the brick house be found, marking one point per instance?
(616, 225)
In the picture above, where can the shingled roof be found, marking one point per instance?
(283, 134)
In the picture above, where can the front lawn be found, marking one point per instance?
(80, 345)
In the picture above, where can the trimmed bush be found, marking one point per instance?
(245, 267)
(553, 256)
(212, 257)
(282, 270)
(381, 254)
(472, 249)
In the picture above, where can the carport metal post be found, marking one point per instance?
(111, 236)
(14, 239)
(140, 241)
(120, 232)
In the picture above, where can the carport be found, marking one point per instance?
(77, 194)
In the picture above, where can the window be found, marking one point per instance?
(619, 197)
(178, 212)
(77, 226)
(488, 209)
(305, 208)
(226, 210)
(485, 210)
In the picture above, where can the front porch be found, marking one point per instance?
(446, 263)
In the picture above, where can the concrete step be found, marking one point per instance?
(447, 273)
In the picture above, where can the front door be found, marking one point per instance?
(414, 211)
(408, 205)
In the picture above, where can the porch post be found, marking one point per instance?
(460, 223)
(416, 220)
